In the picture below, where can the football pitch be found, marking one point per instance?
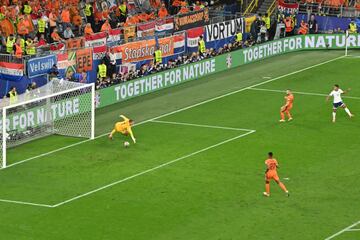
(197, 171)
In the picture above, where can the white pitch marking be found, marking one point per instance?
(353, 229)
(26, 203)
(286, 178)
(266, 77)
(179, 110)
(342, 231)
(300, 93)
(204, 126)
(152, 169)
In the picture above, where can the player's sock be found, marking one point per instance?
(282, 115)
(282, 186)
(289, 115)
(334, 116)
(267, 188)
(348, 112)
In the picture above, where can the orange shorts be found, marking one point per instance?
(272, 175)
(288, 108)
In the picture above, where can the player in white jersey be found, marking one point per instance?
(337, 101)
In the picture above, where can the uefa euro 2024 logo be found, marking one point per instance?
(229, 60)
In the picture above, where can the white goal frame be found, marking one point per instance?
(5, 109)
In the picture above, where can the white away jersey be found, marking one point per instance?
(336, 95)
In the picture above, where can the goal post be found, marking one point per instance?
(346, 42)
(59, 107)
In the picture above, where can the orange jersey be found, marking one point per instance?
(271, 172)
(271, 164)
(289, 99)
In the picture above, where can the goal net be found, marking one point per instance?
(60, 107)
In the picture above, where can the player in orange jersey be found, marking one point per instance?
(287, 107)
(271, 173)
(123, 127)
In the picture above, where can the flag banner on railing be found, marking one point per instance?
(57, 47)
(84, 60)
(40, 66)
(117, 51)
(224, 30)
(191, 20)
(66, 63)
(99, 52)
(144, 50)
(75, 43)
(164, 25)
(114, 35)
(193, 36)
(179, 43)
(11, 71)
(288, 8)
(146, 29)
(98, 39)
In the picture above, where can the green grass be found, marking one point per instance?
(215, 194)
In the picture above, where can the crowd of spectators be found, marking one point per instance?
(26, 25)
(113, 78)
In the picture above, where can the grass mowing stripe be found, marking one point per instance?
(300, 93)
(179, 110)
(342, 231)
(151, 169)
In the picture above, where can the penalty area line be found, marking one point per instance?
(152, 169)
(203, 126)
(26, 203)
(343, 230)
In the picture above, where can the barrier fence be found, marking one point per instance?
(85, 53)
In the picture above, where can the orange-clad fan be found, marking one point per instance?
(144, 17)
(22, 26)
(132, 20)
(55, 37)
(105, 27)
(357, 5)
(7, 27)
(184, 9)
(17, 49)
(176, 3)
(304, 28)
(65, 15)
(88, 30)
(162, 13)
(155, 3)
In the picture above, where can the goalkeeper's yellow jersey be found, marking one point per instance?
(124, 126)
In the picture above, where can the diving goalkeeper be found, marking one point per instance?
(124, 128)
